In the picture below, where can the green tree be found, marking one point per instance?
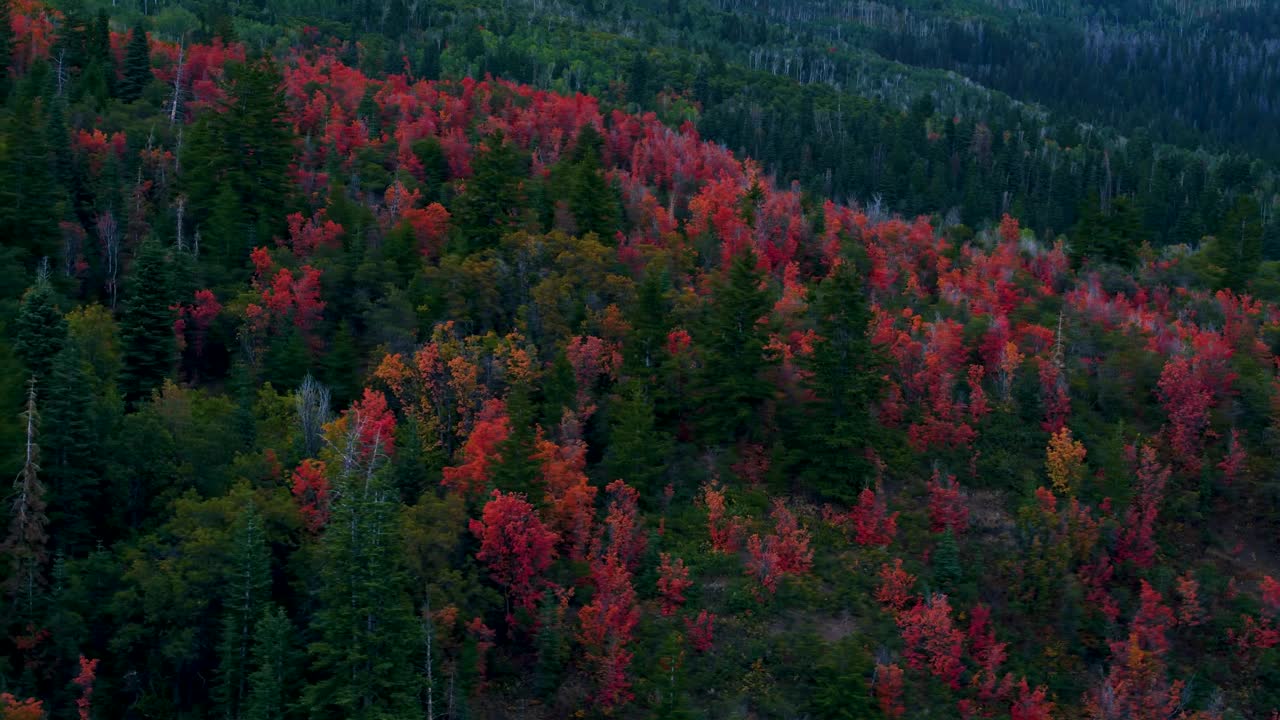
(71, 450)
(946, 561)
(365, 627)
(40, 330)
(841, 689)
(137, 65)
(517, 469)
(247, 591)
(146, 324)
(732, 388)
(235, 168)
(593, 202)
(1237, 247)
(494, 198)
(844, 379)
(274, 657)
(637, 450)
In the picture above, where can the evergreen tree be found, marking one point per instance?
(273, 659)
(841, 689)
(489, 206)
(40, 330)
(637, 450)
(844, 378)
(1237, 247)
(247, 591)
(365, 625)
(732, 388)
(30, 197)
(236, 164)
(137, 65)
(946, 561)
(593, 202)
(517, 469)
(146, 324)
(6, 46)
(71, 452)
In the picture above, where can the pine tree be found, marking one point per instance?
(365, 625)
(25, 546)
(593, 202)
(72, 452)
(40, 330)
(637, 451)
(518, 469)
(6, 46)
(137, 65)
(732, 388)
(489, 206)
(146, 325)
(236, 164)
(1238, 244)
(247, 591)
(844, 378)
(30, 197)
(273, 660)
(946, 561)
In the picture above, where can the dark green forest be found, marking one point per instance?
(616, 358)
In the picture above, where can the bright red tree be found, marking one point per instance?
(932, 640)
(516, 547)
(311, 489)
(888, 690)
(1137, 542)
(947, 510)
(606, 625)
(673, 581)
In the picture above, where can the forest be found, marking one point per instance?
(438, 360)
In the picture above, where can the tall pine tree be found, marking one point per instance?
(146, 325)
(137, 65)
(40, 330)
(844, 378)
(247, 591)
(732, 387)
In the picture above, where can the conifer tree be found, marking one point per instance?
(732, 388)
(71, 451)
(365, 625)
(137, 65)
(844, 378)
(146, 324)
(25, 545)
(273, 661)
(637, 450)
(517, 469)
(1238, 244)
(488, 207)
(247, 590)
(40, 330)
(6, 45)
(592, 201)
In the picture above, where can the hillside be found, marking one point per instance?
(348, 386)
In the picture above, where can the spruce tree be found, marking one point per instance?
(247, 590)
(273, 663)
(137, 65)
(517, 469)
(146, 324)
(365, 626)
(732, 388)
(40, 330)
(845, 380)
(489, 207)
(71, 452)
(593, 202)
(1238, 244)
(946, 561)
(6, 45)
(637, 450)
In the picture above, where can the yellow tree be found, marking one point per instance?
(1064, 461)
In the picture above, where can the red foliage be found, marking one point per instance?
(1186, 398)
(606, 627)
(673, 581)
(888, 689)
(484, 637)
(287, 296)
(592, 359)
(430, 227)
(1053, 395)
(872, 522)
(701, 631)
(1190, 613)
(1234, 464)
(1270, 591)
(947, 510)
(895, 586)
(196, 317)
(621, 534)
(516, 547)
(11, 708)
(726, 532)
(1009, 229)
(569, 496)
(983, 647)
(369, 428)
(88, 673)
(1031, 704)
(311, 488)
(311, 234)
(932, 640)
(480, 451)
(1136, 543)
(784, 552)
